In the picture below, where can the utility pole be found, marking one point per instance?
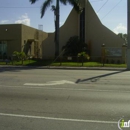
(128, 33)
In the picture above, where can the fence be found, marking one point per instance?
(93, 61)
(97, 61)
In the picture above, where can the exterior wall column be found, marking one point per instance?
(86, 11)
(103, 54)
(124, 47)
(84, 5)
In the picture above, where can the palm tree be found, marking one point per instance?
(53, 8)
(46, 4)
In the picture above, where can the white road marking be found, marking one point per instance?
(50, 83)
(58, 119)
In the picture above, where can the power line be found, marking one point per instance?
(20, 7)
(96, 1)
(112, 9)
(102, 6)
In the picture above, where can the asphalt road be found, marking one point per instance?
(41, 99)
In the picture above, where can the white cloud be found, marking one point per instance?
(120, 29)
(4, 21)
(24, 19)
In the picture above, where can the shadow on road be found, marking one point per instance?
(31, 64)
(96, 78)
(18, 68)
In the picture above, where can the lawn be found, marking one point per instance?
(51, 63)
(88, 64)
(28, 63)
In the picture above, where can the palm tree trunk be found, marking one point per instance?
(57, 29)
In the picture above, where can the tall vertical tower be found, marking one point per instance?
(82, 20)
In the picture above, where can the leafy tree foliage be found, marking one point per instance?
(74, 46)
(56, 9)
(19, 56)
(123, 36)
(83, 55)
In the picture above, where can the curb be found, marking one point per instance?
(64, 68)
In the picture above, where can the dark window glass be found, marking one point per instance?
(3, 49)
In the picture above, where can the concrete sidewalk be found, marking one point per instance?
(62, 67)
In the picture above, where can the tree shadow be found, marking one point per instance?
(96, 78)
(17, 68)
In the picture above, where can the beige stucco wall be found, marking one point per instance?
(97, 33)
(70, 28)
(32, 33)
(12, 34)
(17, 34)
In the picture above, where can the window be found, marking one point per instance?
(3, 49)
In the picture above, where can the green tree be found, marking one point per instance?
(123, 36)
(16, 55)
(83, 55)
(74, 46)
(19, 56)
(22, 56)
(46, 4)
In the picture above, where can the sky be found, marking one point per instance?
(112, 13)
